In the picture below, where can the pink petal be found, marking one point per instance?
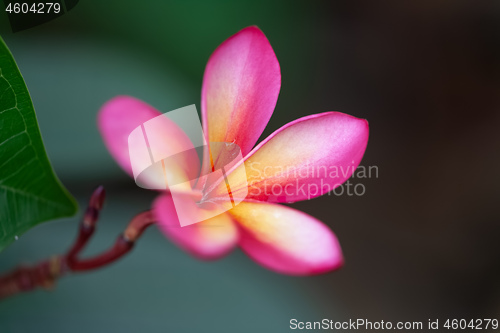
(117, 119)
(286, 240)
(210, 239)
(123, 114)
(240, 88)
(302, 160)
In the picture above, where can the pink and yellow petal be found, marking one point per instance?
(210, 239)
(286, 240)
(240, 88)
(302, 160)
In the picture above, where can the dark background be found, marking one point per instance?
(422, 243)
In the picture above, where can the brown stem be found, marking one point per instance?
(123, 244)
(45, 273)
(87, 226)
(121, 247)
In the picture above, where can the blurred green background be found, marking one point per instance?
(421, 243)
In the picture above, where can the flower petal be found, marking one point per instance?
(240, 88)
(210, 239)
(302, 160)
(123, 115)
(117, 119)
(286, 240)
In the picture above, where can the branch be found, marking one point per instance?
(46, 273)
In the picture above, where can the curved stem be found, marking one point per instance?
(123, 244)
(45, 273)
(121, 247)
(87, 226)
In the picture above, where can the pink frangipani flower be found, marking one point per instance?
(240, 90)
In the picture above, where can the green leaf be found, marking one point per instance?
(30, 192)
